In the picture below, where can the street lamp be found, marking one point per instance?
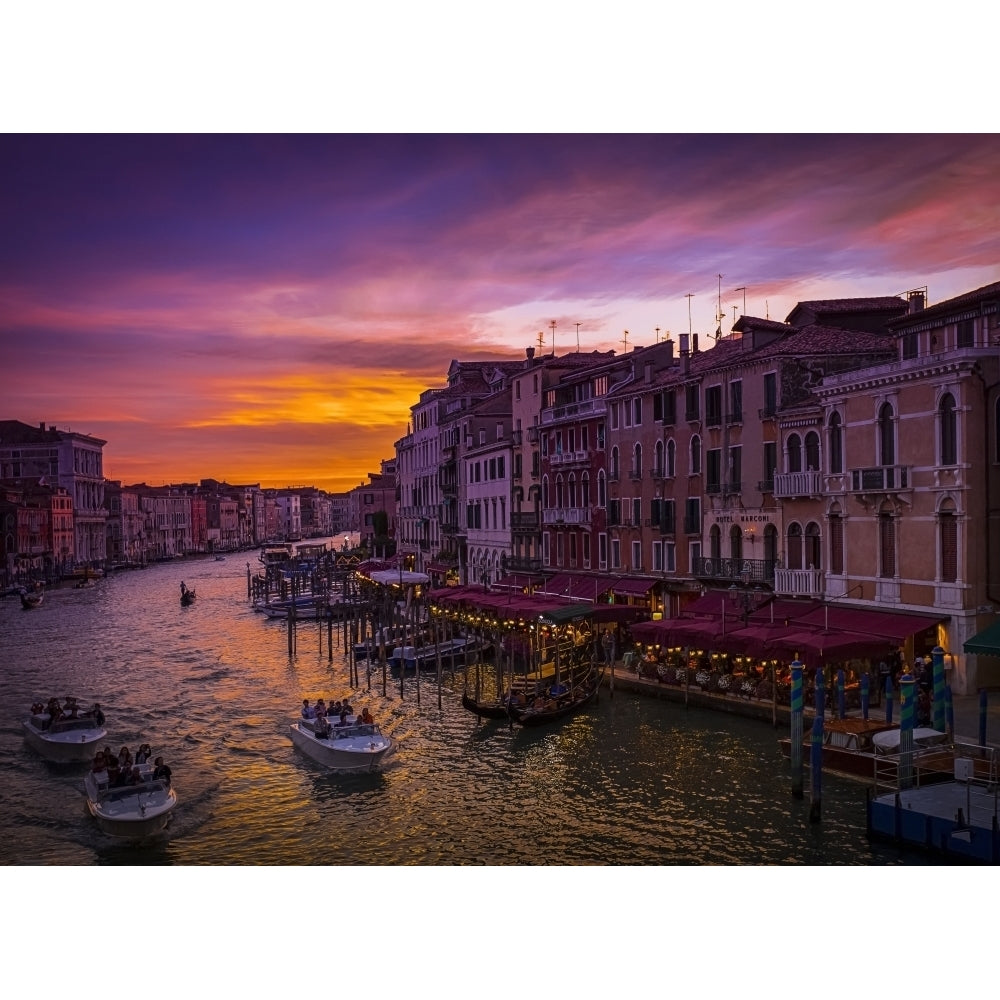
(745, 599)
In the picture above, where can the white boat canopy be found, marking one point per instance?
(405, 577)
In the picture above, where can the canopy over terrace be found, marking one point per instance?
(573, 586)
(986, 642)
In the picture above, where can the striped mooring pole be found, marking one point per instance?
(907, 686)
(796, 714)
(937, 661)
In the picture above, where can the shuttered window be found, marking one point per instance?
(887, 545)
(949, 547)
(836, 544)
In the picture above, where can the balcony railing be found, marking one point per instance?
(767, 411)
(523, 564)
(734, 418)
(735, 570)
(565, 458)
(733, 488)
(586, 408)
(766, 485)
(566, 515)
(713, 419)
(798, 582)
(657, 472)
(798, 484)
(635, 474)
(533, 434)
(524, 520)
(881, 478)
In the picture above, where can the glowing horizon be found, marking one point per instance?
(268, 308)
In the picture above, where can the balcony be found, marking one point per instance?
(732, 489)
(713, 419)
(533, 434)
(765, 486)
(799, 582)
(713, 488)
(523, 564)
(524, 520)
(734, 418)
(734, 570)
(449, 452)
(568, 458)
(881, 479)
(566, 515)
(635, 474)
(768, 411)
(657, 472)
(515, 438)
(573, 411)
(789, 485)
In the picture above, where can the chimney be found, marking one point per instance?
(529, 353)
(684, 344)
(694, 343)
(916, 300)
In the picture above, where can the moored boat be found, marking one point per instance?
(558, 700)
(135, 810)
(70, 737)
(31, 598)
(352, 748)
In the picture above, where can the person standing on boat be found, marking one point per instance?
(98, 714)
(161, 770)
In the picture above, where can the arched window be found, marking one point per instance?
(602, 489)
(695, 455)
(736, 543)
(637, 460)
(886, 543)
(812, 451)
(560, 493)
(794, 448)
(836, 541)
(948, 541)
(615, 471)
(793, 549)
(948, 430)
(671, 458)
(813, 554)
(585, 490)
(836, 439)
(658, 458)
(715, 542)
(571, 490)
(886, 435)
(545, 492)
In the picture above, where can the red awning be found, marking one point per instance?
(877, 624)
(632, 586)
(575, 587)
(518, 581)
(815, 648)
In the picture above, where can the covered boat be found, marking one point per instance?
(558, 700)
(352, 748)
(72, 737)
(135, 810)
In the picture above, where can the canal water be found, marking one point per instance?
(630, 781)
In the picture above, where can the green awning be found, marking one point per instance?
(570, 613)
(985, 643)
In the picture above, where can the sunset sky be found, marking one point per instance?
(266, 309)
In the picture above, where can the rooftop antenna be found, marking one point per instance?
(718, 312)
(552, 327)
(744, 291)
(734, 315)
(541, 339)
(625, 341)
(577, 338)
(657, 334)
(767, 310)
(689, 296)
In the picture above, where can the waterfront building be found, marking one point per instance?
(367, 500)
(67, 459)
(418, 486)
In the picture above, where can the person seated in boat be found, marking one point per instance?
(335, 708)
(321, 727)
(367, 718)
(308, 712)
(71, 708)
(99, 762)
(114, 771)
(343, 717)
(125, 759)
(134, 776)
(320, 709)
(98, 714)
(345, 707)
(142, 755)
(161, 770)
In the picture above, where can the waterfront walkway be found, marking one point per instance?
(965, 707)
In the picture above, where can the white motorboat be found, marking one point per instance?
(425, 657)
(352, 748)
(71, 738)
(134, 811)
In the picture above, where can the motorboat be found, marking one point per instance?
(134, 811)
(390, 636)
(425, 657)
(72, 738)
(351, 748)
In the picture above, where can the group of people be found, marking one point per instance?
(320, 714)
(121, 769)
(70, 709)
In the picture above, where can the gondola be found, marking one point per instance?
(30, 599)
(558, 701)
(187, 596)
(494, 708)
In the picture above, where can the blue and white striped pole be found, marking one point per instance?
(841, 694)
(937, 660)
(816, 769)
(906, 712)
(888, 699)
(796, 713)
(865, 696)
